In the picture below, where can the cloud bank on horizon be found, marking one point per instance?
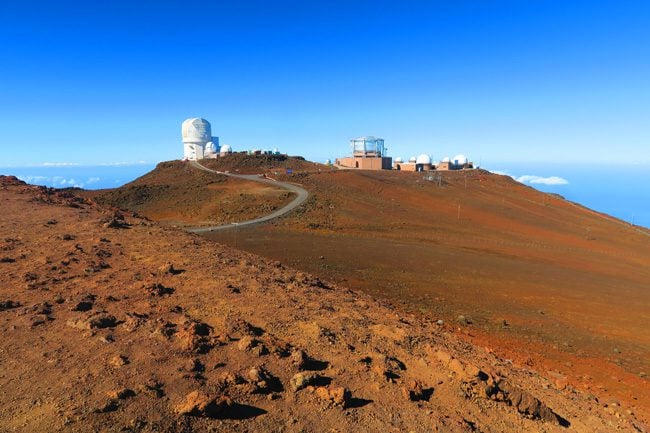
(540, 180)
(59, 181)
(534, 179)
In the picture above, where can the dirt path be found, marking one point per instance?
(301, 196)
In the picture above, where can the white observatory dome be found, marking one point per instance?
(226, 149)
(423, 159)
(399, 159)
(445, 159)
(196, 130)
(412, 159)
(460, 160)
(210, 148)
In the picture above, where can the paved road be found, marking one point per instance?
(301, 196)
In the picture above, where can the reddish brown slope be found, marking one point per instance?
(178, 194)
(571, 284)
(100, 333)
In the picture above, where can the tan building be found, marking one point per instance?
(370, 163)
(367, 154)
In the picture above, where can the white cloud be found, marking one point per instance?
(502, 173)
(92, 180)
(539, 180)
(60, 164)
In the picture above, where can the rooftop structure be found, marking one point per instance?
(368, 147)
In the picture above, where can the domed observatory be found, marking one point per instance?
(397, 163)
(460, 162)
(423, 163)
(210, 150)
(225, 150)
(196, 133)
(368, 153)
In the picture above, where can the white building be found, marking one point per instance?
(198, 142)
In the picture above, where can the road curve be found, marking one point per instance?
(301, 196)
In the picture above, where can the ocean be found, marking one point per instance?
(619, 190)
(622, 191)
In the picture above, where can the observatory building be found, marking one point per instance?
(198, 142)
(459, 162)
(368, 153)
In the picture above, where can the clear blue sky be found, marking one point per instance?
(497, 80)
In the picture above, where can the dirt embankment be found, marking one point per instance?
(177, 194)
(255, 164)
(113, 323)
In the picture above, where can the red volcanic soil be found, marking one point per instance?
(113, 323)
(545, 282)
(176, 193)
(254, 164)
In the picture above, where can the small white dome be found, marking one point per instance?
(226, 148)
(445, 159)
(412, 159)
(399, 159)
(423, 159)
(460, 159)
(210, 147)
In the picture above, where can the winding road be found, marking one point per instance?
(301, 196)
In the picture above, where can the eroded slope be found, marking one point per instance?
(113, 323)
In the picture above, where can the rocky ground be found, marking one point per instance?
(113, 323)
(177, 194)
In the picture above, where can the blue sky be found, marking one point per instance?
(501, 81)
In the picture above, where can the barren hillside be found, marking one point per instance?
(113, 323)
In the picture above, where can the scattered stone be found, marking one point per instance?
(68, 237)
(440, 322)
(51, 222)
(8, 305)
(616, 350)
(228, 378)
(483, 385)
(101, 321)
(247, 343)
(194, 365)
(302, 380)
(116, 221)
(463, 320)
(387, 368)
(195, 336)
(236, 328)
(157, 289)
(299, 359)
(260, 379)
(153, 387)
(414, 391)
(197, 403)
(339, 396)
(168, 268)
(107, 339)
(59, 299)
(119, 361)
(83, 306)
(111, 405)
(7, 260)
(121, 394)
